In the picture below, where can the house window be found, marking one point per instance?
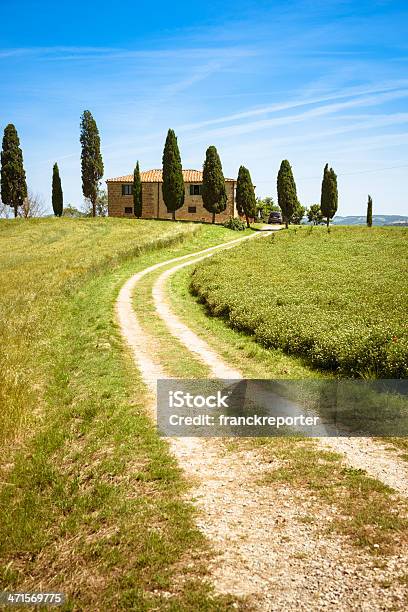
(127, 190)
(128, 210)
(192, 209)
(195, 189)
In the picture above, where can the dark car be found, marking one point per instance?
(275, 217)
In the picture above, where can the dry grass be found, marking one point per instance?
(42, 261)
(367, 511)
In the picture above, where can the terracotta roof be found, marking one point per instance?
(155, 176)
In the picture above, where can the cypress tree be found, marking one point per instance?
(137, 192)
(213, 191)
(329, 197)
(369, 211)
(13, 177)
(245, 196)
(91, 158)
(57, 196)
(287, 197)
(173, 182)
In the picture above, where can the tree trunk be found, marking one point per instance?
(213, 217)
(173, 215)
(15, 211)
(247, 220)
(286, 224)
(93, 208)
(327, 222)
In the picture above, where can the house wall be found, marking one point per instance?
(155, 208)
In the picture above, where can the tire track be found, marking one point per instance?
(264, 551)
(362, 453)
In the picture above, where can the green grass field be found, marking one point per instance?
(339, 299)
(91, 501)
(42, 262)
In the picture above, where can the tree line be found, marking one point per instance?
(290, 207)
(213, 192)
(13, 181)
(292, 210)
(14, 186)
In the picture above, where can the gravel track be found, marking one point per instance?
(363, 453)
(270, 543)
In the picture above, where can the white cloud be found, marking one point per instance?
(302, 101)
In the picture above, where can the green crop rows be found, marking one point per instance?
(339, 299)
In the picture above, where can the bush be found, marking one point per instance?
(235, 224)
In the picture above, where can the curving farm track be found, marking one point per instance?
(264, 550)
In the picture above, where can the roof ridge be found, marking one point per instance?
(155, 175)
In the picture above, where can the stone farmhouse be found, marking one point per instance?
(120, 198)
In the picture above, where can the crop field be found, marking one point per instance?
(340, 299)
(43, 261)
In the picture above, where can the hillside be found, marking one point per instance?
(379, 220)
(43, 262)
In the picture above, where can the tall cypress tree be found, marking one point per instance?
(13, 177)
(213, 191)
(287, 196)
(245, 196)
(91, 158)
(57, 196)
(173, 182)
(329, 197)
(137, 192)
(369, 211)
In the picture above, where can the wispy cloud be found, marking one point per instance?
(313, 137)
(25, 51)
(310, 81)
(199, 73)
(327, 109)
(60, 53)
(302, 101)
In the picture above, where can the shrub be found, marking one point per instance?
(234, 224)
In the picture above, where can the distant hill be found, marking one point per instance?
(393, 220)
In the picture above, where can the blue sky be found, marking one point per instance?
(309, 81)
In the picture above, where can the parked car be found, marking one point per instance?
(275, 217)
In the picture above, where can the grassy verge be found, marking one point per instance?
(366, 511)
(338, 299)
(92, 504)
(399, 444)
(237, 348)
